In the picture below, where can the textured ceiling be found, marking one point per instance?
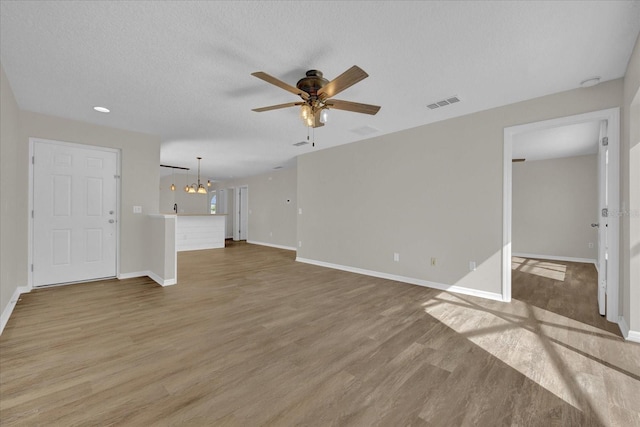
(182, 70)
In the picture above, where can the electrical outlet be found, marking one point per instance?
(396, 256)
(590, 245)
(300, 243)
(433, 261)
(137, 209)
(472, 266)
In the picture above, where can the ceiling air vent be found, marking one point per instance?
(298, 144)
(443, 103)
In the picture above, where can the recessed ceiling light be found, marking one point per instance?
(590, 82)
(102, 109)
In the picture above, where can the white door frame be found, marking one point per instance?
(612, 116)
(229, 202)
(237, 220)
(30, 245)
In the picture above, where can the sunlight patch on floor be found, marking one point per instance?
(535, 342)
(548, 269)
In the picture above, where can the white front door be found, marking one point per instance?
(74, 213)
(602, 219)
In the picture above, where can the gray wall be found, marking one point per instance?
(272, 206)
(554, 203)
(187, 202)
(10, 259)
(431, 191)
(630, 195)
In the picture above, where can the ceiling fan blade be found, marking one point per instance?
(352, 106)
(276, 107)
(270, 79)
(345, 80)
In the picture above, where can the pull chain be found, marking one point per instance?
(313, 135)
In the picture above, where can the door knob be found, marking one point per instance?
(594, 224)
(111, 221)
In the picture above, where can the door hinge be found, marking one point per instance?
(33, 160)
(32, 268)
(605, 141)
(32, 214)
(605, 213)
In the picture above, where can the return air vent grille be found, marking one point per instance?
(298, 144)
(443, 103)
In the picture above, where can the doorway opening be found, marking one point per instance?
(609, 181)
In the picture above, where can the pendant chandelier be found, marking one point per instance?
(173, 180)
(196, 188)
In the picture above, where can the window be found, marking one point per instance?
(213, 204)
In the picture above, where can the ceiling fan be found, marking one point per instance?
(317, 95)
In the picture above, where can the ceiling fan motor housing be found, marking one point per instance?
(312, 82)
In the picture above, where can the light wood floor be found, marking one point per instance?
(250, 337)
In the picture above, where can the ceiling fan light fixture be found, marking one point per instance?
(305, 112)
(324, 115)
(308, 121)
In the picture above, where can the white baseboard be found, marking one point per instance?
(289, 248)
(555, 258)
(6, 313)
(626, 333)
(160, 281)
(633, 336)
(133, 275)
(624, 328)
(410, 280)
